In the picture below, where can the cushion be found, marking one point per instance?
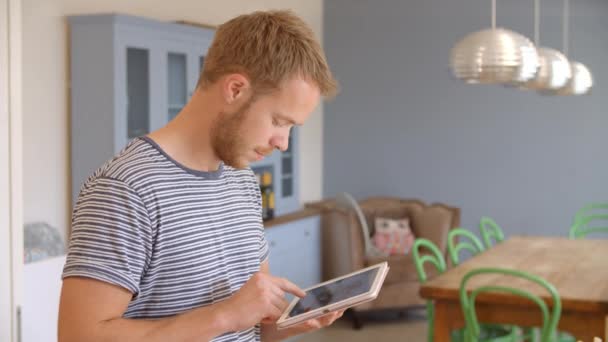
(393, 236)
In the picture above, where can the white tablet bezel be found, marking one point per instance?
(284, 321)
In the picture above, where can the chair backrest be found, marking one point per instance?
(346, 200)
(435, 257)
(586, 218)
(489, 229)
(588, 210)
(467, 301)
(470, 243)
(586, 225)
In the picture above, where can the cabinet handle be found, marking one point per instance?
(273, 244)
(307, 233)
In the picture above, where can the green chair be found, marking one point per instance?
(473, 332)
(588, 209)
(435, 257)
(489, 230)
(584, 217)
(474, 245)
(470, 243)
(437, 260)
(585, 225)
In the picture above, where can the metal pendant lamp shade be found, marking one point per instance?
(554, 71)
(580, 83)
(494, 56)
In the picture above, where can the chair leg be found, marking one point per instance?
(528, 334)
(357, 320)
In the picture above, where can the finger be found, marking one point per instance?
(339, 314)
(336, 317)
(326, 320)
(330, 318)
(267, 320)
(276, 289)
(306, 326)
(272, 315)
(290, 287)
(312, 324)
(279, 302)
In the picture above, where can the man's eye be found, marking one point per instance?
(276, 123)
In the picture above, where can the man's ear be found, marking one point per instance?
(235, 87)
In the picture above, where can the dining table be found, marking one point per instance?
(578, 269)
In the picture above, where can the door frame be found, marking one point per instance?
(11, 170)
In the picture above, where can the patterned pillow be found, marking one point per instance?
(393, 237)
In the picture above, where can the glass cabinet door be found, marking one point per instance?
(287, 167)
(177, 87)
(138, 92)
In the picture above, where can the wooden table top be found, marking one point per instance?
(577, 268)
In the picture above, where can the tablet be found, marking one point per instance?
(336, 294)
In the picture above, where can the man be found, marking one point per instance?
(167, 239)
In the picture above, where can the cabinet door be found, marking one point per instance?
(174, 87)
(271, 164)
(197, 59)
(288, 195)
(177, 83)
(136, 97)
(295, 251)
(181, 68)
(311, 237)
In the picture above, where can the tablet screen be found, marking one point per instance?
(335, 292)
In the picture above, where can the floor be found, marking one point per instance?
(408, 328)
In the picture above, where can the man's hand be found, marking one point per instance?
(261, 299)
(271, 334)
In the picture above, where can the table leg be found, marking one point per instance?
(442, 321)
(605, 329)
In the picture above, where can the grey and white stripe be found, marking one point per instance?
(176, 238)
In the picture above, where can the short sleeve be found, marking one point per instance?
(264, 250)
(111, 236)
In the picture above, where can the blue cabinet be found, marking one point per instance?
(295, 251)
(129, 76)
(283, 167)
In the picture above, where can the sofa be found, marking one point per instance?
(343, 248)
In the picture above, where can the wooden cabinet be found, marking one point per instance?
(129, 76)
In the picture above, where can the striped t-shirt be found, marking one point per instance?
(177, 238)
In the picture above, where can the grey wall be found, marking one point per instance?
(403, 126)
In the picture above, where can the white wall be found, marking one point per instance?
(5, 250)
(45, 73)
(11, 214)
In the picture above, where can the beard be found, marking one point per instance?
(227, 138)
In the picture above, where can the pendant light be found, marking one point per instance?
(554, 71)
(494, 56)
(581, 81)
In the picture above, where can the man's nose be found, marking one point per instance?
(281, 142)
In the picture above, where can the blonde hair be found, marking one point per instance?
(269, 48)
